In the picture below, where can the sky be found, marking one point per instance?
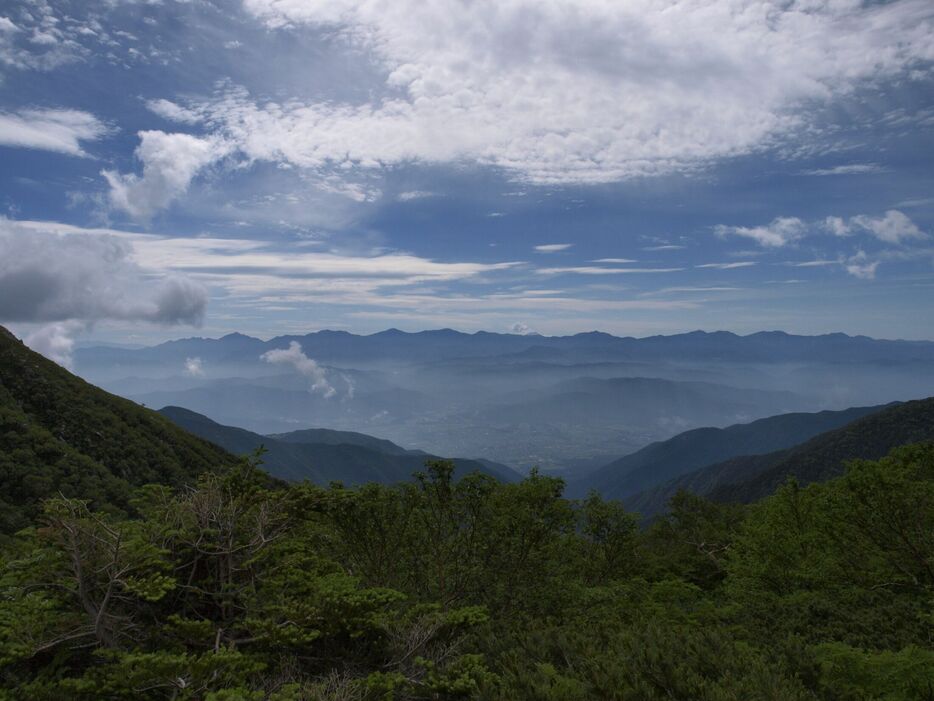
(173, 168)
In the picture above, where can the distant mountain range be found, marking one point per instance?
(62, 435)
(344, 347)
(323, 456)
(747, 478)
(567, 404)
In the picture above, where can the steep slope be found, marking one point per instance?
(60, 434)
(748, 478)
(659, 462)
(323, 462)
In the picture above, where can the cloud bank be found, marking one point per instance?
(573, 91)
(73, 281)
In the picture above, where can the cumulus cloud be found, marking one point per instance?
(295, 356)
(48, 276)
(780, 232)
(553, 247)
(893, 227)
(837, 226)
(194, 367)
(575, 92)
(50, 130)
(860, 266)
(172, 111)
(170, 162)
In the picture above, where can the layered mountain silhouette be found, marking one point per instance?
(664, 460)
(751, 477)
(341, 346)
(323, 455)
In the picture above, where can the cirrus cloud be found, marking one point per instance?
(60, 130)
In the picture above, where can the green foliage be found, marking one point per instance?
(235, 589)
(61, 436)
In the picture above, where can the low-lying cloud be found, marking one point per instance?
(295, 356)
(194, 367)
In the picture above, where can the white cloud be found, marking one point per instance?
(50, 130)
(304, 365)
(780, 232)
(614, 260)
(413, 195)
(55, 341)
(576, 92)
(820, 263)
(728, 266)
(837, 226)
(894, 227)
(172, 111)
(48, 276)
(522, 329)
(597, 270)
(170, 162)
(665, 247)
(861, 267)
(553, 247)
(852, 169)
(194, 367)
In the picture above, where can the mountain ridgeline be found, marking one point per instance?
(748, 478)
(323, 456)
(161, 567)
(565, 404)
(60, 435)
(688, 451)
(446, 344)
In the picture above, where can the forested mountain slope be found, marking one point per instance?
(664, 460)
(752, 477)
(288, 456)
(59, 434)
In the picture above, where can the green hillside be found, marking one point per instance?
(752, 477)
(329, 436)
(297, 456)
(61, 435)
(665, 460)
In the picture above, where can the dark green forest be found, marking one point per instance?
(231, 588)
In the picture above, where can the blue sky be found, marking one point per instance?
(274, 166)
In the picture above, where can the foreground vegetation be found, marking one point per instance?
(234, 589)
